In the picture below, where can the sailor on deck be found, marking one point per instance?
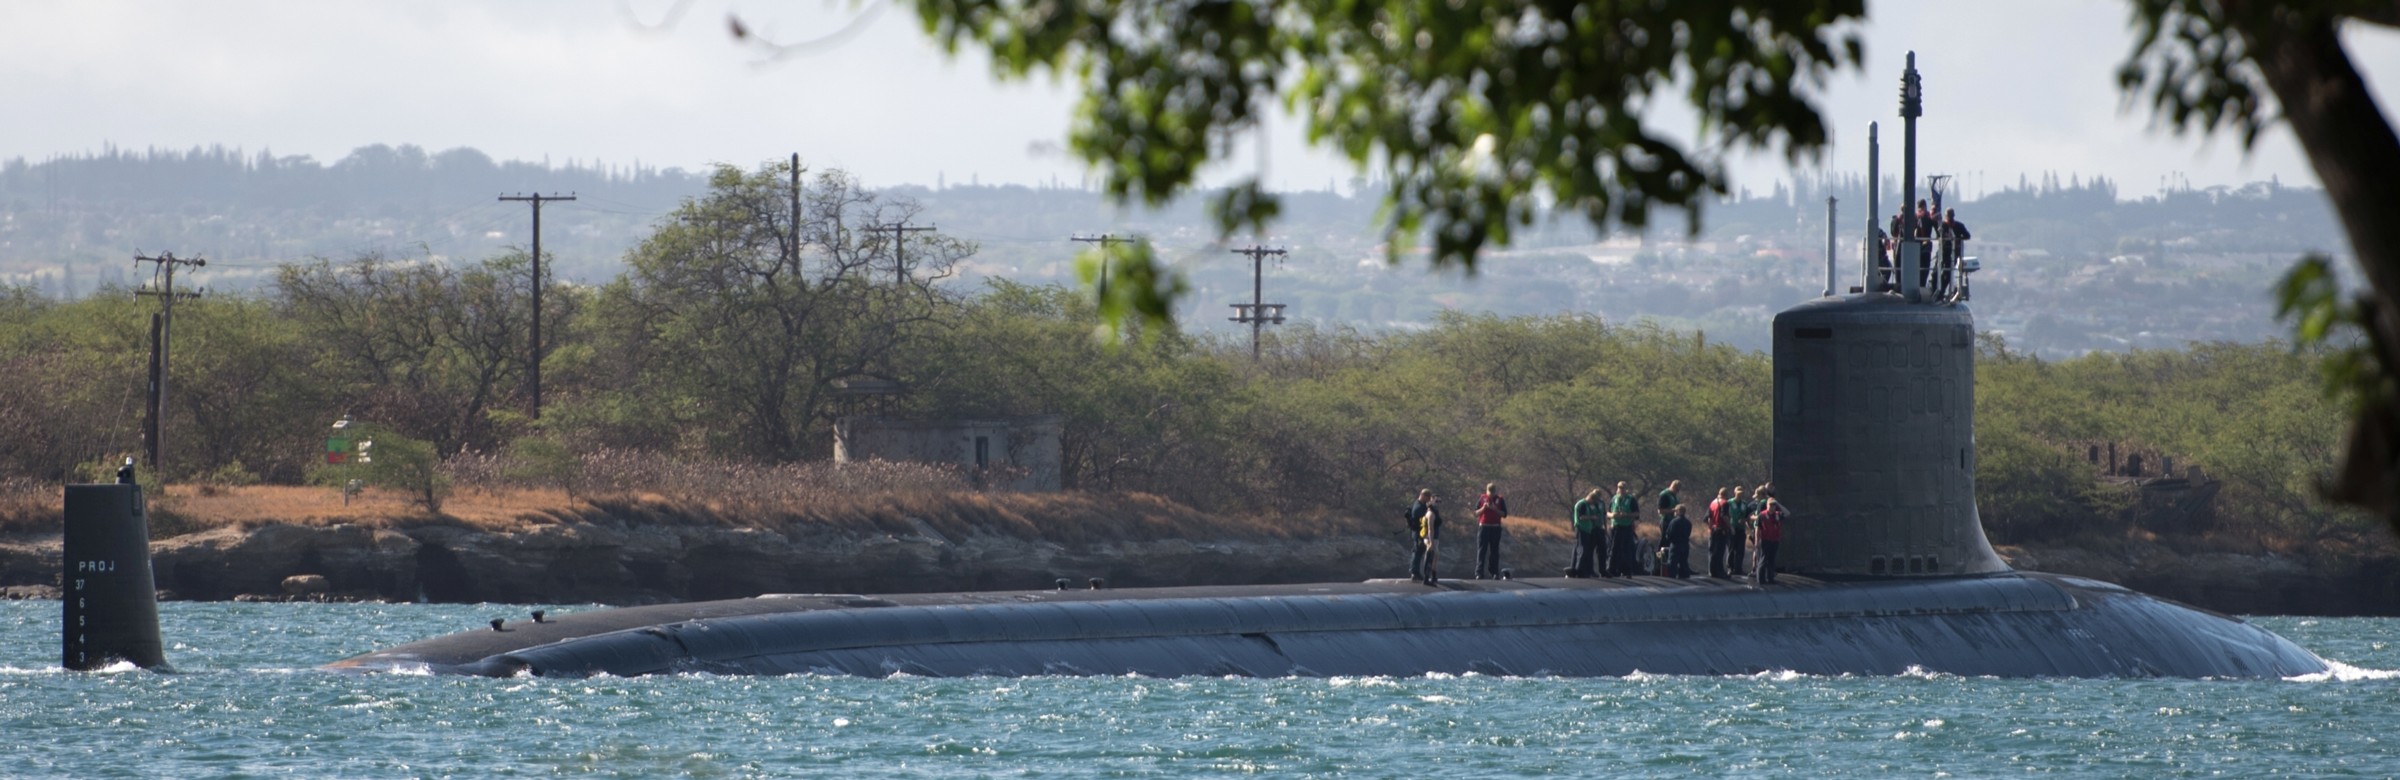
(1490, 509)
(1416, 533)
(1622, 511)
(1678, 536)
(1590, 519)
(1737, 518)
(1720, 535)
(1770, 536)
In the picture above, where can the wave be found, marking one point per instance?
(2336, 671)
(119, 667)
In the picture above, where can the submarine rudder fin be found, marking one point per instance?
(109, 606)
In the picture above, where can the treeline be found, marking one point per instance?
(376, 177)
(2076, 215)
(731, 330)
(2252, 415)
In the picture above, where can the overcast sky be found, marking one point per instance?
(2013, 87)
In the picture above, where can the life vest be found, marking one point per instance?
(1621, 509)
(1716, 516)
(1589, 515)
(1770, 522)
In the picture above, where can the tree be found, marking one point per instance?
(726, 325)
(399, 463)
(431, 350)
(2208, 65)
(1478, 114)
(242, 391)
(71, 379)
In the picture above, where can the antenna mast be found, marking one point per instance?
(1912, 105)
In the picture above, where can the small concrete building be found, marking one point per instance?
(1009, 453)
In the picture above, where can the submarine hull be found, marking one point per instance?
(2005, 625)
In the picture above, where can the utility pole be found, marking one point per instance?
(795, 214)
(1107, 242)
(162, 329)
(1257, 313)
(900, 233)
(533, 365)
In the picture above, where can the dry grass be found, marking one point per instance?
(204, 507)
(1064, 518)
(191, 508)
(631, 489)
(516, 492)
(28, 506)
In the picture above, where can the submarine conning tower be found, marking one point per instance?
(1875, 403)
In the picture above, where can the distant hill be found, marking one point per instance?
(75, 222)
(2074, 265)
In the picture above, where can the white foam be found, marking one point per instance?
(1363, 682)
(2336, 671)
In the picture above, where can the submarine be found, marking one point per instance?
(1886, 569)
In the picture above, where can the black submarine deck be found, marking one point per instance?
(2014, 624)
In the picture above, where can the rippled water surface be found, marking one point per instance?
(248, 703)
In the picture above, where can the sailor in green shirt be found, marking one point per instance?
(1622, 511)
(1588, 536)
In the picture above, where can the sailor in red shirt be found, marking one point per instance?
(1720, 535)
(1770, 535)
(1490, 508)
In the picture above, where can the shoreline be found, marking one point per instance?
(522, 548)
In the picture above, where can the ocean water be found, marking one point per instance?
(248, 702)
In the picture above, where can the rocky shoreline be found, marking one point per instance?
(615, 563)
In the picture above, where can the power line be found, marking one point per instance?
(533, 365)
